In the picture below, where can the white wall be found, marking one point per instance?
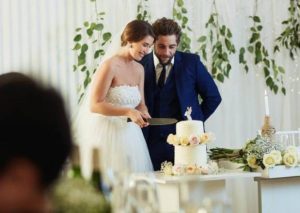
(36, 37)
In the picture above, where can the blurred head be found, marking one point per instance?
(35, 141)
(138, 36)
(167, 33)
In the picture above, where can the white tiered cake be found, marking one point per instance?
(193, 154)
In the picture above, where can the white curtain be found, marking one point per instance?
(36, 37)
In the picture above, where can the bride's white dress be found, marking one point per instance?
(122, 145)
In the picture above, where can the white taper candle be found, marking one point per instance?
(267, 104)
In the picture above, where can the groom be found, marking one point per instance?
(174, 80)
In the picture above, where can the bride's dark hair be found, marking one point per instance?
(135, 31)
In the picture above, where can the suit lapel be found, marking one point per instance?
(149, 81)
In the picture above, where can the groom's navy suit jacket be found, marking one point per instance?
(190, 79)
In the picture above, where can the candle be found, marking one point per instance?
(267, 104)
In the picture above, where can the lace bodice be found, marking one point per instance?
(124, 95)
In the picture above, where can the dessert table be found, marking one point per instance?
(190, 193)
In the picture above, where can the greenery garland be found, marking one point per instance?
(272, 72)
(90, 39)
(219, 38)
(180, 15)
(142, 11)
(290, 36)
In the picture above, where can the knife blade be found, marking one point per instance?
(159, 121)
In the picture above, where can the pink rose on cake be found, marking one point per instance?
(194, 140)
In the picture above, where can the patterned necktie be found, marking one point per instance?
(162, 77)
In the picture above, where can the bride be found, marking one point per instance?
(117, 93)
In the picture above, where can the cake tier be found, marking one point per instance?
(188, 128)
(191, 155)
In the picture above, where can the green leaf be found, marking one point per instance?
(269, 82)
(106, 36)
(77, 38)
(259, 27)
(185, 20)
(241, 55)
(179, 16)
(283, 90)
(83, 68)
(250, 49)
(228, 44)
(214, 70)
(281, 69)
(229, 34)
(86, 23)
(266, 72)
(267, 62)
(180, 3)
(74, 67)
(254, 37)
(275, 88)
(98, 53)
(258, 56)
(256, 19)
(89, 32)
(183, 10)
(84, 48)
(81, 59)
(99, 27)
(202, 39)
(77, 46)
(78, 29)
(220, 77)
(222, 30)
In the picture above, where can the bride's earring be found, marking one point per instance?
(130, 45)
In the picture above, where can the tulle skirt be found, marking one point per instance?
(122, 145)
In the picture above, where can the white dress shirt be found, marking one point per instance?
(159, 67)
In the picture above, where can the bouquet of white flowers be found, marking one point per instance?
(258, 152)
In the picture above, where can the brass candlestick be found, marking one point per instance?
(267, 130)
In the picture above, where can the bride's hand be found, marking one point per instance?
(146, 116)
(137, 117)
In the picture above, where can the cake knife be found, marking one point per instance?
(159, 121)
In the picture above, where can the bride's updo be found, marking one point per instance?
(135, 31)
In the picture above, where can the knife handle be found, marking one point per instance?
(129, 120)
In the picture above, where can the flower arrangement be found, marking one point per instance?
(167, 168)
(258, 153)
(193, 140)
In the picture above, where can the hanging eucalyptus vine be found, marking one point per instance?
(180, 15)
(272, 72)
(219, 39)
(290, 36)
(142, 11)
(90, 39)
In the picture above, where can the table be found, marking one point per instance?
(191, 192)
(280, 194)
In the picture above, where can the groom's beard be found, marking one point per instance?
(164, 62)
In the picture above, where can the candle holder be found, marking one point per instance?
(267, 130)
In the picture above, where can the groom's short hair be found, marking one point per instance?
(33, 126)
(164, 26)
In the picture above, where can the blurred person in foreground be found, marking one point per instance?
(35, 142)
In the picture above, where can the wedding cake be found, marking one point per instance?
(189, 149)
(193, 153)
